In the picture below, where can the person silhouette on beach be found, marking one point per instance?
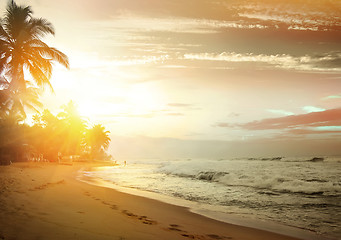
(59, 157)
(125, 163)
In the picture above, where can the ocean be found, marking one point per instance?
(304, 192)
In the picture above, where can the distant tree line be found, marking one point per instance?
(69, 134)
(63, 135)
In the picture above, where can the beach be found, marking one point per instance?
(205, 120)
(45, 201)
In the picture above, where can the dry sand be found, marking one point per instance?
(45, 201)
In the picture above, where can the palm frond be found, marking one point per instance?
(4, 83)
(54, 54)
(34, 43)
(3, 64)
(3, 34)
(39, 76)
(39, 27)
(34, 58)
(3, 44)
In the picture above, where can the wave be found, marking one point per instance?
(319, 205)
(316, 159)
(280, 185)
(284, 159)
(266, 159)
(276, 181)
(210, 176)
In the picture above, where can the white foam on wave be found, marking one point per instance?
(275, 176)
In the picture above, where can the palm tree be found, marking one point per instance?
(48, 135)
(97, 140)
(23, 54)
(75, 127)
(21, 48)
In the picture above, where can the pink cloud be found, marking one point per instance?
(330, 117)
(224, 125)
(308, 131)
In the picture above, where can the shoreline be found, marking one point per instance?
(238, 220)
(46, 201)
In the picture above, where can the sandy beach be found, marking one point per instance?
(45, 201)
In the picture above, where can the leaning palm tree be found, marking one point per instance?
(21, 48)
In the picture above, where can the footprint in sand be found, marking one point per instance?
(142, 219)
(126, 212)
(46, 185)
(175, 227)
(87, 194)
(189, 236)
(214, 236)
(112, 206)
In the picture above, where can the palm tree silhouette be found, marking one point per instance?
(21, 48)
(97, 139)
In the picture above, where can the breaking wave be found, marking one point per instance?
(270, 178)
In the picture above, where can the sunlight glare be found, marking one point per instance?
(142, 99)
(137, 100)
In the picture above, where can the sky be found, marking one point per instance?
(201, 78)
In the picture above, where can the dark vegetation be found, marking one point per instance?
(26, 64)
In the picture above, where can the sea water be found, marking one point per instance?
(300, 192)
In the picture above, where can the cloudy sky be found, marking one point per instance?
(200, 77)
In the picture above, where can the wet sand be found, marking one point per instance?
(45, 201)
